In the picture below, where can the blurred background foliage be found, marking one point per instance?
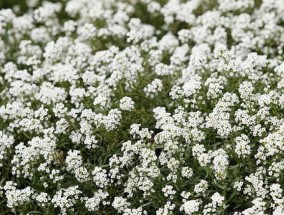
(21, 6)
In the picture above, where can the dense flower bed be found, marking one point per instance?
(142, 107)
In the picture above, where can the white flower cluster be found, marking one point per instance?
(126, 103)
(142, 107)
(153, 88)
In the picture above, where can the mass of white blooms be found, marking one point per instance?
(142, 107)
(126, 103)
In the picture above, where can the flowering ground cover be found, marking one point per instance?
(139, 107)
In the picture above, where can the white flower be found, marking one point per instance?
(153, 88)
(201, 187)
(190, 207)
(126, 103)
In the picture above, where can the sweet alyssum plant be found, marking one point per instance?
(139, 107)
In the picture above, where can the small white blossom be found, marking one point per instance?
(126, 103)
